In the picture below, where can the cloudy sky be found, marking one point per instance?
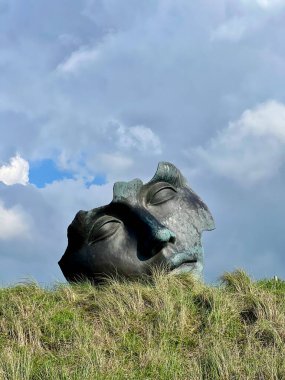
(93, 91)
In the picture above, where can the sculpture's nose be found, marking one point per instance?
(164, 235)
(152, 235)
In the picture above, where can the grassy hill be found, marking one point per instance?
(173, 327)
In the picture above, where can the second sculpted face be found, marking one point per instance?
(146, 225)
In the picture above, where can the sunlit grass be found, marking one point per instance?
(173, 327)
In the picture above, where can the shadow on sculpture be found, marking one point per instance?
(157, 224)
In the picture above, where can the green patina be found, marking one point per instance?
(127, 190)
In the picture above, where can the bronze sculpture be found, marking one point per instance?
(145, 226)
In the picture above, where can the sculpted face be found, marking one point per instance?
(146, 225)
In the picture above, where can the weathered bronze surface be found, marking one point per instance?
(146, 225)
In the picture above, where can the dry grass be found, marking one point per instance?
(171, 328)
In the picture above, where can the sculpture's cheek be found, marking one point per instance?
(183, 222)
(117, 255)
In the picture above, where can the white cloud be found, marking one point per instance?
(68, 39)
(106, 14)
(266, 4)
(13, 223)
(150, 64)
(72, 195)
(78, 59)
(115, 163)
(252, 16)
(251, 149)
(232, 30)
(138, 137)
(17, 171)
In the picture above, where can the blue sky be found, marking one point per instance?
(96, 91)
(45, 171)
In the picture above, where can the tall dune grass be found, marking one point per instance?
(173, 327)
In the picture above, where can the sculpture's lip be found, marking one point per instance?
(184, 264)
(183, 259)
(192, 267)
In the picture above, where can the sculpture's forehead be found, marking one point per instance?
(127, 190)
(131, 190)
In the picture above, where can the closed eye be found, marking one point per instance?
(103, 228)
(161, 194)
